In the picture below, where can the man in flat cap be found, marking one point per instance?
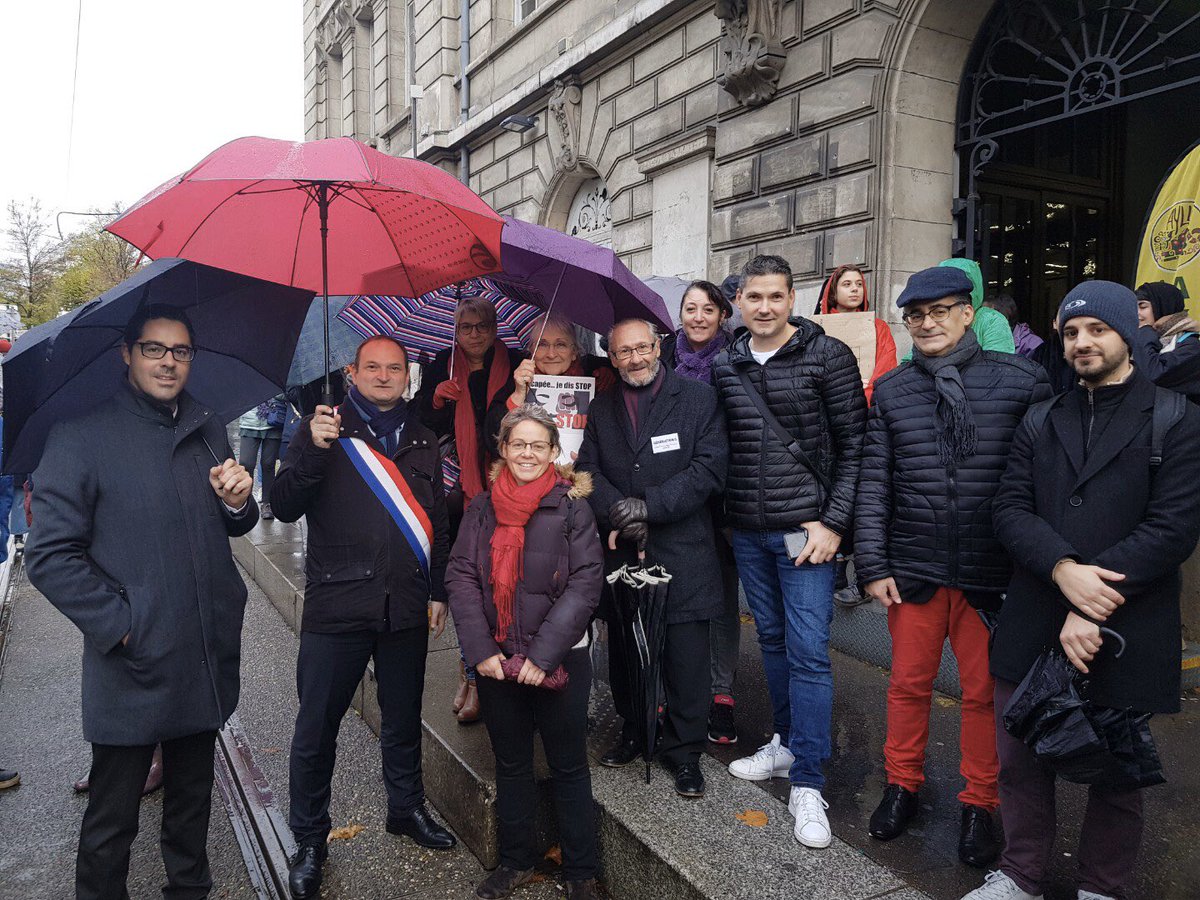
(937, 444)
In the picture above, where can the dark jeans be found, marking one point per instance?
(328, 670)
(793, 608)
(248, 456)
(511, 712)
(1112, 823)
(110, 823)
(687, 685)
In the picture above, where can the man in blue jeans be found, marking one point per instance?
(794, 404)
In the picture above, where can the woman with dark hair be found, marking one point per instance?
(524, 579)
(704, 313)
(846, 291)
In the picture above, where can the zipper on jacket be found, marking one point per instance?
(762, 452)
(952, 509)
(1087, 444)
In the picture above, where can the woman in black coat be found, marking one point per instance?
(524, 578)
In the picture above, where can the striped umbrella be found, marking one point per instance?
(425, 324)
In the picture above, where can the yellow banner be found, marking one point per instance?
(1171, 244)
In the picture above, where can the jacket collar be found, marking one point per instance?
(739, 351)
(672, 384)
(190, 415)
(1066, 419)
(414, 435)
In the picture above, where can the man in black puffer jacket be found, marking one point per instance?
(789, 496)
(937, 445)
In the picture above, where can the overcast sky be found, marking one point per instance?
(161, 84)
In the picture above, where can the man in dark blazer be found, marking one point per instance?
(657, 451)
(368, 478)
(132, 545)
(1097, 530)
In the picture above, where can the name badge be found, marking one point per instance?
(664, 442)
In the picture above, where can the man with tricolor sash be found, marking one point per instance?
(367, 477)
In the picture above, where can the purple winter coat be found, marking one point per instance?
(560, 586)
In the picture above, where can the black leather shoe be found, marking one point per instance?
(502, 882)
(304, 876)
(977, 844)
(689, 780)
(894, 812)
(582, 890)
(622, 754)
(421, 827)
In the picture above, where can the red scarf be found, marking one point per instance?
(514, 504)
(466, 437)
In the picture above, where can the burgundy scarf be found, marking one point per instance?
(466, 436)
(514, 504)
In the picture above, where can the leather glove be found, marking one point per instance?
(637, 532)
(627, 511)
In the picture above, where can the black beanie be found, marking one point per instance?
(1113, 304)
(1165, 299)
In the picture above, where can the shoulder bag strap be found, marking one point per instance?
(785, 438)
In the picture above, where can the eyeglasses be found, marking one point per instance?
(627, 352)
(557, 347)
(538, 448)
(939, 313)
(155, 350)
(473, 328)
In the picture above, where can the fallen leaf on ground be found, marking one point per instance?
(945, 702)
(346, 832)
(554, 854)
(755, 818)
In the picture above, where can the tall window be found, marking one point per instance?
(525, 8)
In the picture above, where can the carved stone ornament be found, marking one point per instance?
(563, 115)
(335, 27)
(752, 55)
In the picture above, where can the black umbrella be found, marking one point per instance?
(1083, 743)
(640, 607)
(246, 332)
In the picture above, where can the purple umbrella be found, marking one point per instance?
(586, 283)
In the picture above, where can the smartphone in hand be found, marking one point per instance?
(794, 542)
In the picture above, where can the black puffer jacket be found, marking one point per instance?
(813, 387)
(918, 520)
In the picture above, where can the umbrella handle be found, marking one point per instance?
(1116, 637)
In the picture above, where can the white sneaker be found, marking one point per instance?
(772, 760)
(812, 825)
(1091, 895)
(998, 886)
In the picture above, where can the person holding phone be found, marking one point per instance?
(937, 443)
(796, 414)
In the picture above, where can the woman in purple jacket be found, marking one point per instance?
(524, 579)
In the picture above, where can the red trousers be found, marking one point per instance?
(918, 632)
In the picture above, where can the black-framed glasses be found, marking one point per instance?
(473, 328)
(155, 350)
(939, 312)
(627, 352)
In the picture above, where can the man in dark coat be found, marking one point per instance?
(132, 545)
(1097, 531)
(937, 444)
(790, 502)
(656, 450)
(368, 479)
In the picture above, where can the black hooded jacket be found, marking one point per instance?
(813, 387)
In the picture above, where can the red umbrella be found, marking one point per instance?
(317, 215)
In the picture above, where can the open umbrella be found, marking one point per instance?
(639, 596)
(587, 283)
(308, 363)
(246, 332)
(317, 215)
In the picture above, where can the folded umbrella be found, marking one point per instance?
(246, 332)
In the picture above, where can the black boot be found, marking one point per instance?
(304, 876)
(689, 780)
(625, 751)
(894, 812)
(502, 882)
(421, 827)
(977, 844)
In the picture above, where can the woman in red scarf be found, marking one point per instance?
(524, 579)
(846, 291)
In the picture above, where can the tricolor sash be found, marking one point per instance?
(390, 488)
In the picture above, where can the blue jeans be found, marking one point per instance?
(792, 607)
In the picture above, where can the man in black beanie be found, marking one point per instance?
(1097, 529)
(1167, 347)
(937, 445)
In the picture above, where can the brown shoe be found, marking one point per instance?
(470, 708)
(582, 890)
(502, 882)
(460, 696)
(154, 776)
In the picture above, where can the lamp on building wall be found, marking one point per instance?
(518, 124)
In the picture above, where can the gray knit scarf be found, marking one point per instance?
(957, 439)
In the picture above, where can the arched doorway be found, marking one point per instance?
(1070, 115)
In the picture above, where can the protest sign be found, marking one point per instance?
(567, 398)
(857, 331)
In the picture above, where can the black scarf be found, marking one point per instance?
(386, 426)
(957, 439)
